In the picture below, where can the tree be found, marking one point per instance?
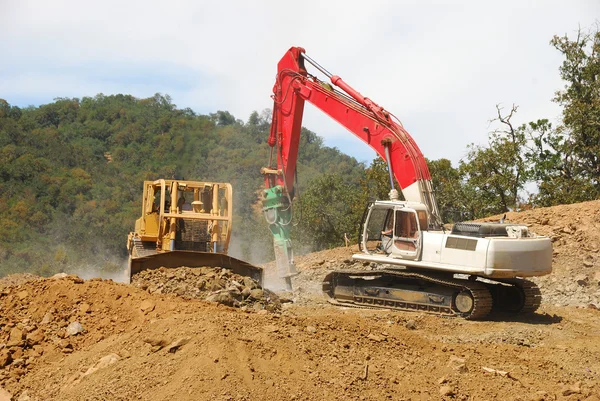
(329, 208)
(449, 191)
(376, 182)
(576, 142)
(496, 174)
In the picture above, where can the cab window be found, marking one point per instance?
(406, 225)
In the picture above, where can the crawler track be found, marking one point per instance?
(515, 296)
(431, 293)
(409, 291)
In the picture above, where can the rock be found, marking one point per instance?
(16, 353)
(311, 329)
(271, 328)
(446, 391)
(74, 328)
(156, 342)
(222, 297)
(251, 284)
(5, 358)
(15, 338)
(47, 318)
(246, 292)
(540, 396)
(411, 325)
(588, 263)
(502, 373)
(443, 380)
(544, 221)
(574, 389)
(175, 345)
(22, 295)
(18, 362)
(35, 337)
(125, 354)
(102, 363)
(257, 294)
(59, 276)
(5, 395)
(85, 308)
(147, 306)
(375, 337)
(581, 280)
(24, 396)
(457, 364)
(365, 374)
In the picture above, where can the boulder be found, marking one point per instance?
(5, 395)
(147, 306)
(75, 328)
(15, 338)
(35, 337)
(5, 358)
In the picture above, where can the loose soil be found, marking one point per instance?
(68, 339)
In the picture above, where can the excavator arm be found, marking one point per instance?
(361, 116)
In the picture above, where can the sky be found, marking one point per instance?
(440, 66)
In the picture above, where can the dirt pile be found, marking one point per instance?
(212, 284)
(136, 345)
(16, 279)
(43, 320)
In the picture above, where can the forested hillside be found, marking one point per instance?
(71, 171)
(71, 174)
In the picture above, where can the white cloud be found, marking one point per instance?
(440, 66)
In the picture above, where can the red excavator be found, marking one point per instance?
(465, 271)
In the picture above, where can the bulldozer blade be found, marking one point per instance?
(194, 259)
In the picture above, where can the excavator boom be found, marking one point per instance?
(361, 116)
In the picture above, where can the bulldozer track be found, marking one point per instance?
(482, 298)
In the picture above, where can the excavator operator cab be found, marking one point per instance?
(394, 228)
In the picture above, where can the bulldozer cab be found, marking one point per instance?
(186, 215)
(394, 228)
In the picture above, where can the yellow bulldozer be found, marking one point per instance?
(185, 223)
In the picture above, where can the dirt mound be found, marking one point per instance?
(212, 284)
(136, 345)
(16, 279)
(43, 320)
